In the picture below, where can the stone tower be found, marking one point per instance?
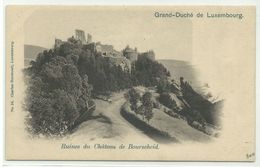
(89, 38)
(58, 43)
(130, 54)
(80, 35)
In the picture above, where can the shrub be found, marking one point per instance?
(166, 100)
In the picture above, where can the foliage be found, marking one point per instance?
(163, 86)
(61, 80)
(102, 75)
(106, 77)
(56, 94)
(166, 100)
(147, 105)
(133, 97)
(148, 72)
(200, 108)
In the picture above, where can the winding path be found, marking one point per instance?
(111, 125)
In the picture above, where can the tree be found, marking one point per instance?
(148, 72)
(56, 95)
(166, 100)
(102, 74)
(147, 104)
(148, 114)
(52, 114)
(141, 110)
(133, 96)
(163, 86)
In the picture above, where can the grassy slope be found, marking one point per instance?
(177, 128)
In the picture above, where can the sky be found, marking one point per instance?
(169, 38)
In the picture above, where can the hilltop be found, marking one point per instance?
(63, 81)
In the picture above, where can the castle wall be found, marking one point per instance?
(132, 56)
(89, 38)
(150, 54)
(90, 46)
(124, 63)
(130, 53)
(104, 49)
(80, 35)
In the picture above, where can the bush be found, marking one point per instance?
(133, 97)
(166, 100)
(147, 104)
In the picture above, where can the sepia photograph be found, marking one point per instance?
(130, 83)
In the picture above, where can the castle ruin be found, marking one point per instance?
(120, 58)
(89, 38)
(80, 35)
(58, 43)
(149, 54)
(130, 53)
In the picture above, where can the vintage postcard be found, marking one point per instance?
(158, 83)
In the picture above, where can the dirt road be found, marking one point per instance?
(109, 125)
